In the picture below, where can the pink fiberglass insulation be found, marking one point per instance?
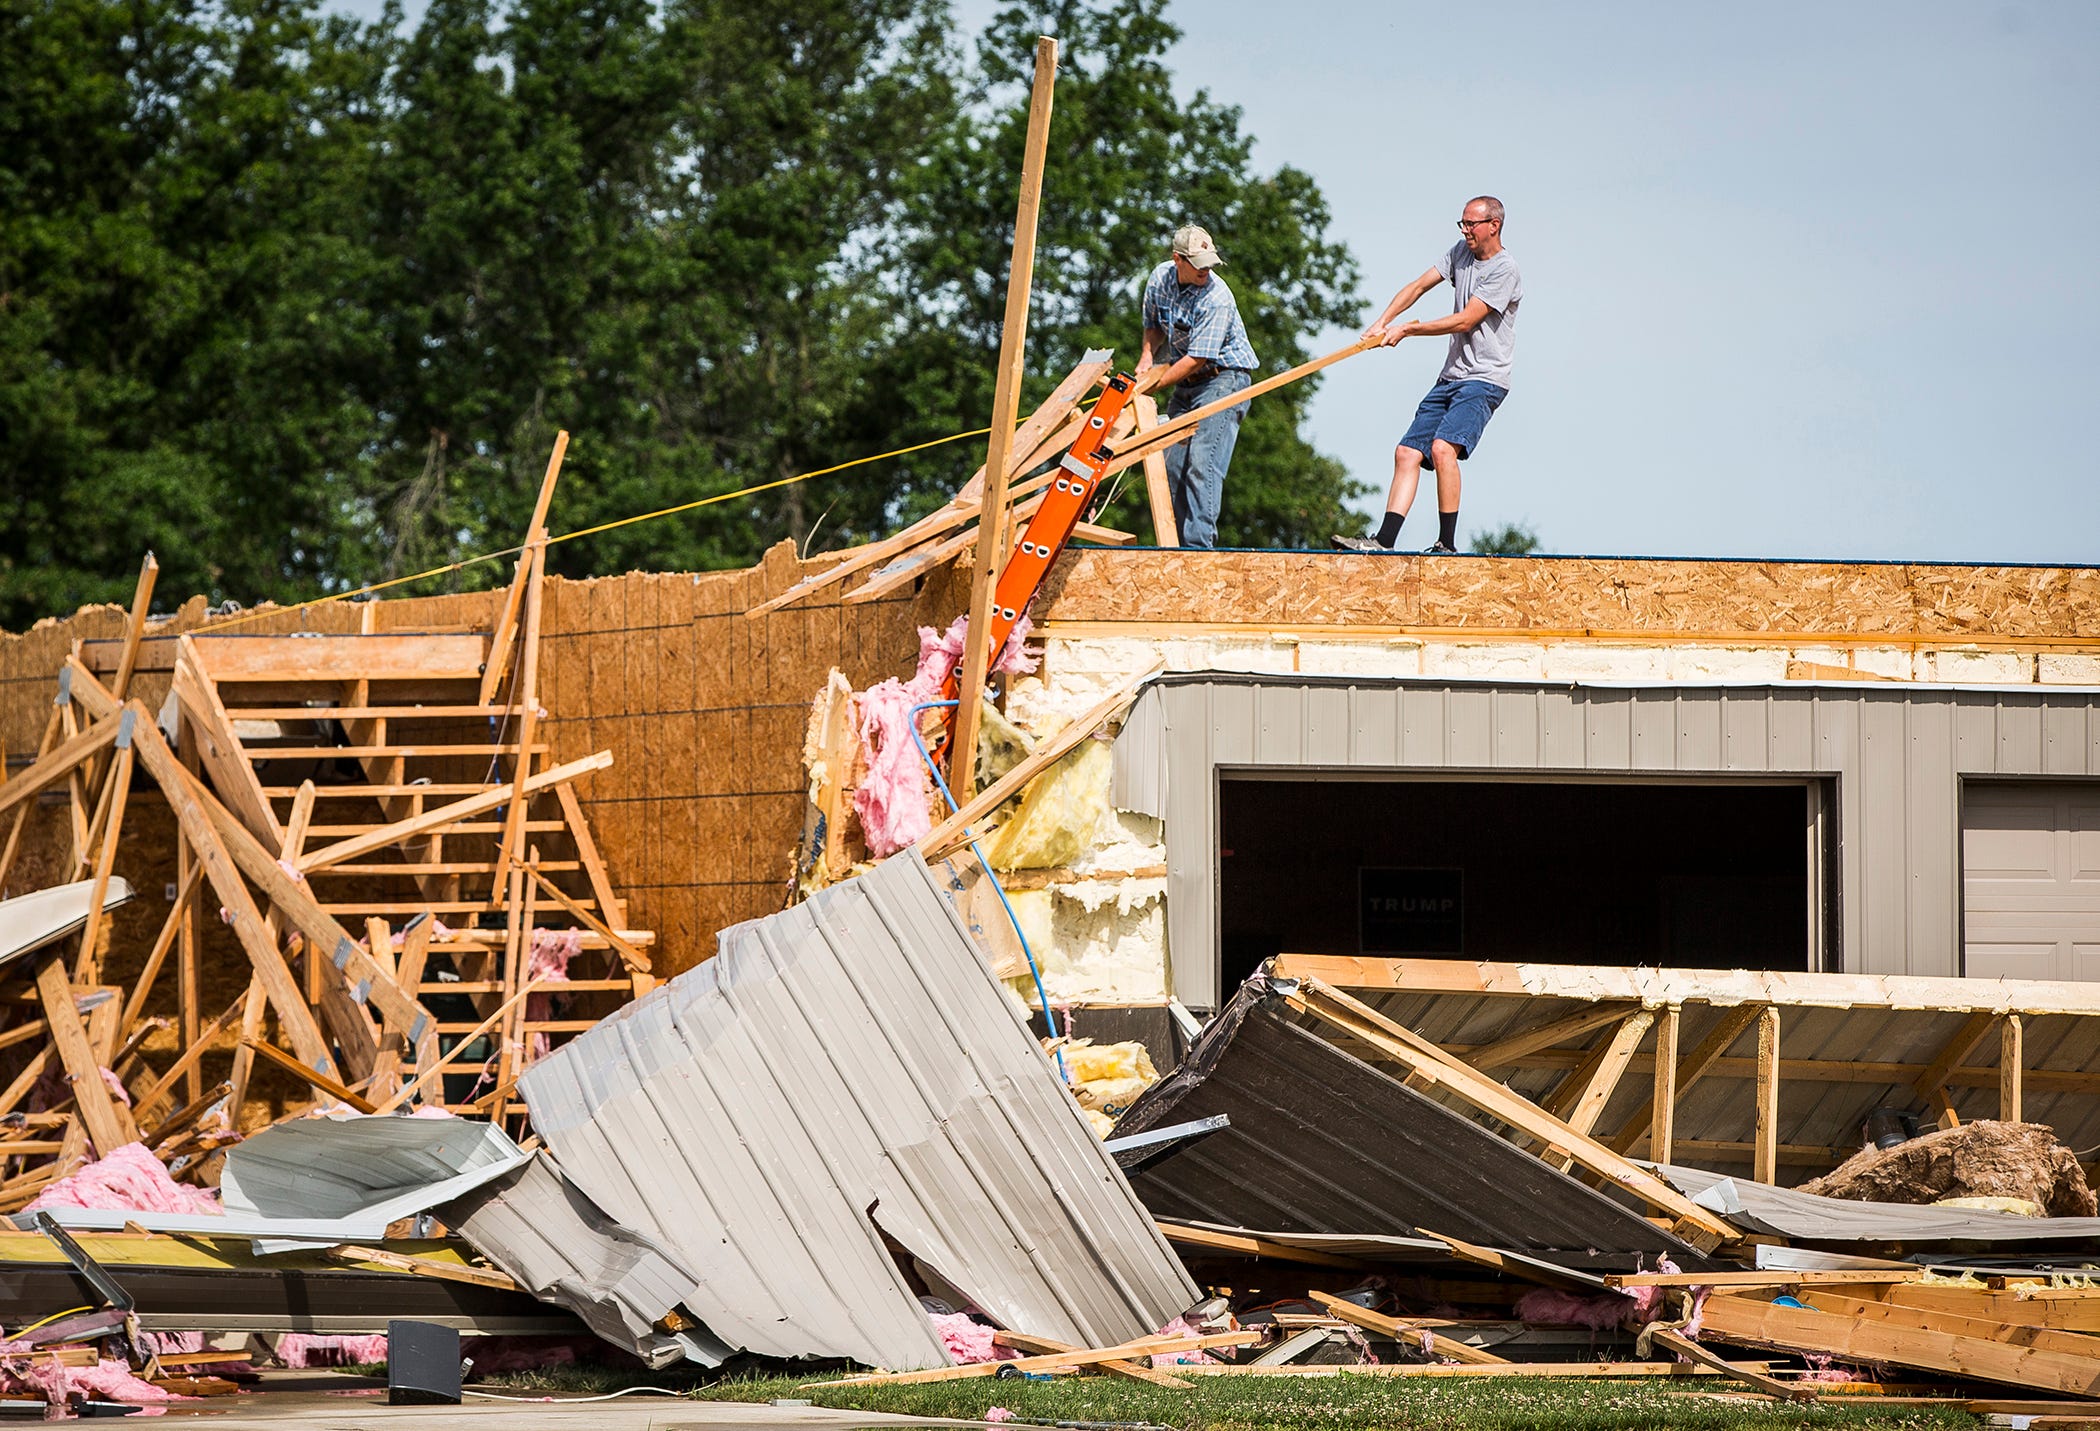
(894, 799)
(128, 1179)
(968, 1340)
(1182, 1327)
(1551, 1307)
(552, 951)
(298, 1350)
(23, 1372)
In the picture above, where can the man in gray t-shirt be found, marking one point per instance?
(1486, 293)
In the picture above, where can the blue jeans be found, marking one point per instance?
(1196, 468)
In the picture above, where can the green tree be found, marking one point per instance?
(1511, 539)
(1128, 161)
(169, 357)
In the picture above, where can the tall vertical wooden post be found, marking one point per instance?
(1766, 1157)
(2011, 1055)
(1662, 1123)
(1006, 403)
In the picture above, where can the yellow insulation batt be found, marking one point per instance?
(1061, 813)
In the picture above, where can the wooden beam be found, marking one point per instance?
(528, 701)
(87, 962)
(966, 504)
(1050, 1361)
(435, 1068)
(1507, 1050)
(422, 1266)
(1662, 1103)
(233, 776)
(321, 1082)
(1933, 1081)
(1752, 1323)
(1539, 1271)
(1693, 1067)
(1772, 1279)
(1178, 429)
(1618, 1053)
(1723, 988)
(635, 960)
(1405, 1047)
(44, 748)
(107, 1122)
(1239, 1244)
(1159, 494)
(134, 629)
(2011, 1059)
(500, 642)
(149, 974)
(1131, 1370)
(381, 836)
(954, 831)
(1863, 1309)
(1766, 1162)
(1676, 1341)
(61, 762)
(340, 656)
(2005, 1307)
(191, 1055)
(1006, 401)
(929, 558)
(1405, 1332)
(194, 810)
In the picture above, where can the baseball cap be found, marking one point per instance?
(1193, 242)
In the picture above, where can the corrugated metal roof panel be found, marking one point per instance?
(1321, 1141)
(842, 1071)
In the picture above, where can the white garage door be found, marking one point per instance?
(2031, 881)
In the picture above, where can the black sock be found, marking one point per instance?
(1389, 529)
(1447, 529)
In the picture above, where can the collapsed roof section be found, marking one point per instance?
(842, 1090)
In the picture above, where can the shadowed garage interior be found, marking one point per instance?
(1691, 875)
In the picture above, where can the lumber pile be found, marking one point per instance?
(418, 904)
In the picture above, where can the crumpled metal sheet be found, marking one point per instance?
(360, 1170)
(1788, 1212)
(842, 1086)
(539, 1228)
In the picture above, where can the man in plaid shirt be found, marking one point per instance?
(1192, 325)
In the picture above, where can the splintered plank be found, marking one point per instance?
(1791, 1329)
(1404, 1331)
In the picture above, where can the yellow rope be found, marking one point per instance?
(463, 563)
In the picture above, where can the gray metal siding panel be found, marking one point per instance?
(1279, 725)
(1563, 724)
(2064, 741)
(1516, 729)
(1933, 834)
(1699, 730)
(1329, 731)
(1469, 727)
(1610, 729)
(2019, 733)
(1654, 733)
(1894, 753)
(1374, 714)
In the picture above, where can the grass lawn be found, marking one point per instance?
(1346, 1403)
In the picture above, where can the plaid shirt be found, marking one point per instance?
(1198, 319)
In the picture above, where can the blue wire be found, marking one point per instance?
(1042, 996)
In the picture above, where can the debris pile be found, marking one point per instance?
(2022, 1163)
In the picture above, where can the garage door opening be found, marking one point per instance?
(1708, 876)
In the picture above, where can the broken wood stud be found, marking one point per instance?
(1766, 1159)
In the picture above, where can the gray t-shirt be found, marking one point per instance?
(1487, 353)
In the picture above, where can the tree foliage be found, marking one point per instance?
(1511, 539)
(299, 302)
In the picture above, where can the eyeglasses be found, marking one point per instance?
(1468, 225)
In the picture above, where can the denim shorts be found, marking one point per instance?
(1458, 412)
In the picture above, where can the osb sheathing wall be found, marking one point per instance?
(703, 708)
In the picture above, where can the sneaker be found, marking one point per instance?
(1361, 544)
(1438, 549)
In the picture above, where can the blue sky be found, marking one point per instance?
(1801, 279)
